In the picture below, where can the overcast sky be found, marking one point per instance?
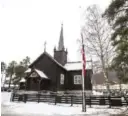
(26, 24)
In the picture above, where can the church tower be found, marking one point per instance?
(60, 54)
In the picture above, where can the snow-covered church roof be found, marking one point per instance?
(41, 74)
(70, 66)
(22, 80)
(28, 70)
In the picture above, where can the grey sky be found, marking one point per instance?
(26, 24)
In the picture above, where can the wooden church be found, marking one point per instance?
(56, 73)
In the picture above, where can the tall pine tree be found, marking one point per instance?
(117, 15)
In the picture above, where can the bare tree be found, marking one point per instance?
(3, 71)
(96, 33)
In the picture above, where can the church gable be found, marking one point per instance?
(37, 73)
(41, 58)
(37, 60)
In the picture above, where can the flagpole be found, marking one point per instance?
(83, 72)
(83, 76)
(83, 94)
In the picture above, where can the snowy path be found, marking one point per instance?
(44, 109)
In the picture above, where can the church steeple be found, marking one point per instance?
(61, 40)
(61, 54)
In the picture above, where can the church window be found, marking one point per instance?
(61, 79)
(77, 79)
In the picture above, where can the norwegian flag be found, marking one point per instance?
(83, 58)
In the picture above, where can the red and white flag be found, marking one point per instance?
(83, 58)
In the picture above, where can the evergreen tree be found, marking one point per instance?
(11, 71)
(19, 73)
(20, 69)
(117, 15)
(26, 62)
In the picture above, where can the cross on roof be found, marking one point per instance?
(45, 46)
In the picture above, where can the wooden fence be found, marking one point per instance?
(71, 99)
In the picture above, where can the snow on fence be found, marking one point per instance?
(70, 99)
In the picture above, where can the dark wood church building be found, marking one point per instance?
(56, 73)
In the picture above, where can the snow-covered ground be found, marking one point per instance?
(45, 109)
(115, 86)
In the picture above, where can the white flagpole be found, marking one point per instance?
(83, 94)
(83, 87)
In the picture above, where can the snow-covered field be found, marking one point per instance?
(45, 109)
(115, 86)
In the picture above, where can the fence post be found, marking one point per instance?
(109, 101)
(71, 100)
(90, 101)
(39, 97)
(25, 98)
(12, 97)
(125, 99)
(55, 99)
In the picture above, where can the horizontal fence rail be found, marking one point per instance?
(71, 99)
